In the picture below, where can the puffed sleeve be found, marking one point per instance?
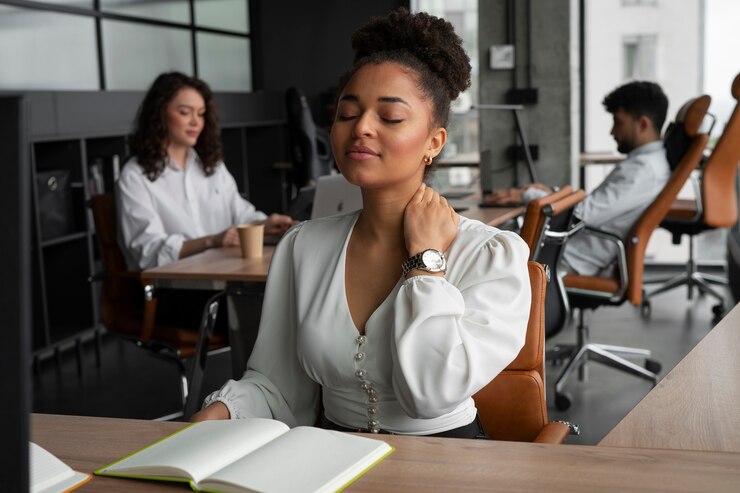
(275, 385)
(142, 234)
(242, 211)
(453, 335)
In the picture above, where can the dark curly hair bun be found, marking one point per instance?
(428, 39)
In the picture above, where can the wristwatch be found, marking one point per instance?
(429, 260)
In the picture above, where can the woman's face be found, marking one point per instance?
(185, 117)
(383, 128)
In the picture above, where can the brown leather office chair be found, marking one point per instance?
(715, 207)
(512, 407)
(129, 309)
(546, 228)
(590, 292)
(534, 220)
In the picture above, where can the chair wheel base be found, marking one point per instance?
(653, 366)
(645, 308)
(562, 401)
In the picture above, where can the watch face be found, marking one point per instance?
(432, 259)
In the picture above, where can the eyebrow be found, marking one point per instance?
(382, 99)
(191, 107)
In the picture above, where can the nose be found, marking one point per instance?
(364, 126)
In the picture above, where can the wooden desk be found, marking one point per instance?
(214, 265)
(697, 405)
(422, 464)
(493, 216)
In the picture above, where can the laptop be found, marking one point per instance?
(335, 195)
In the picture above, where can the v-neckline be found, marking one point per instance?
(343, 263)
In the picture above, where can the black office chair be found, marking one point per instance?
(310, 145)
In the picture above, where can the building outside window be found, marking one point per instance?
(123, 44)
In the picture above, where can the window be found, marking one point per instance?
(462, 141)
(638, 57)
(123, 44)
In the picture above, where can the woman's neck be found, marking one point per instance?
(382, 215)
(178, 154)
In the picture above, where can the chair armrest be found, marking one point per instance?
(553, 432)
(621, 257)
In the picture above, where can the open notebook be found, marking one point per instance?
(250, 455)
(51, 475)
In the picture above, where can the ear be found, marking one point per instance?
(645, 124)
(437, 140)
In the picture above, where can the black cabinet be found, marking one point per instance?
(77, 147)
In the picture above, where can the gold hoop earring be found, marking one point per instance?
(427, 160)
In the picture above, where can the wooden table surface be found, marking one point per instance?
(216, 264)
(421, 464)
(697, 405)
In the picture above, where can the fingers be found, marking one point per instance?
(418, 197)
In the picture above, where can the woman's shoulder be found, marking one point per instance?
(131, 171)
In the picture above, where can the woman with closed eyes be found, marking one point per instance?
(387, 320)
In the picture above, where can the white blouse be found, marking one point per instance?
(431, 344)
(155, 217)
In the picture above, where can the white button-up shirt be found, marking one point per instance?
(430, 345)
(155, 217)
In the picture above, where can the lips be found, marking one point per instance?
(360, 152)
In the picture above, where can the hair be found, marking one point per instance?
(639, 98)
(148, 141)
(421, 42)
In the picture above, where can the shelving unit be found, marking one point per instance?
(81, 135)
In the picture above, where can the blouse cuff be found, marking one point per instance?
(170, 249)
(215, 397)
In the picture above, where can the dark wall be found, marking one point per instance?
(307, 44)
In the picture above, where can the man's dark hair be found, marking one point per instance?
(639, 98)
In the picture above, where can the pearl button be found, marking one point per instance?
(359, 356)
(373, 398)
(374, 430)
(365, 386)
(372, 410)
(361, 339)
(360, 373)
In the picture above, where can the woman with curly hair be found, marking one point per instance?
(389, 319)
(175, 196)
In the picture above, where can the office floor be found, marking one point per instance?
(133, 384)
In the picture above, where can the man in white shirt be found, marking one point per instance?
(639, 111)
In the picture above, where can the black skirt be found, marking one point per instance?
(472, 430)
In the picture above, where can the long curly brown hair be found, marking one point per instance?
(148, 141)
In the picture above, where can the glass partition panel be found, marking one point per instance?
(164, 10)
(135, 54)
(224, 62)
(229, 15)
(47, 50)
